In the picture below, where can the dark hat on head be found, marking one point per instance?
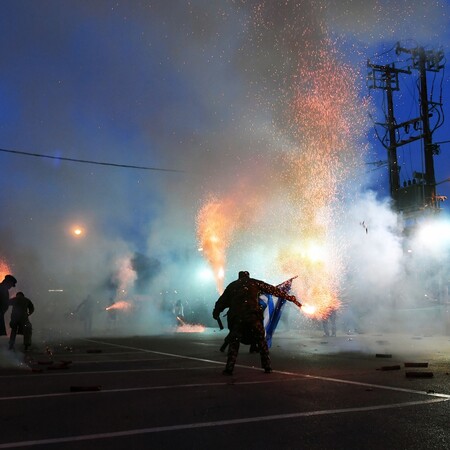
(11, 279)
(243, 274)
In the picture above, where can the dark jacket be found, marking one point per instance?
(22, 307)
(242, 299)
(4, 305)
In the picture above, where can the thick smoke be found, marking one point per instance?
(197, 87)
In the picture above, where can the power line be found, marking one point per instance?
(85, 161)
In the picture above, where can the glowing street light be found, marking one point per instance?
(77, 231)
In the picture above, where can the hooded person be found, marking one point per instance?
(8, 282)
(245, 316)
(22, 308)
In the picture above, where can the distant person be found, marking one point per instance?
(85, 311)
(8, 282)
(329, 320)
(245, 317)
(22, 308)
(178, 312)
(112, 315)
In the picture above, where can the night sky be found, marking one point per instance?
(195, 92)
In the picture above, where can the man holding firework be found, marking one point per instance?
(245, 316)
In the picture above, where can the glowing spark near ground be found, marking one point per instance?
(186, 328)
(122, 306)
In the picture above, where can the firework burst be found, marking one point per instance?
(216, 223)
(326, 119)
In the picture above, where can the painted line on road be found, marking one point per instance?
(102, 372)
(295, 374)
(144, 388)
(218, 423)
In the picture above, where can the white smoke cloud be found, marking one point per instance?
(178, 85)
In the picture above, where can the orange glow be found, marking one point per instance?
(328, 117)
(122, 306)
(4, 270)
(77, 231)
(309, 310)
(186, 328)
(216, 223)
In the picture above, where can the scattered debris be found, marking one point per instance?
(85, 388)
(416, 364)
(396, 367)
(60, 366)
(419, 374)
(63, 361)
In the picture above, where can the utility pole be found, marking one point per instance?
(419, 194)
(386, 78)
(425, 61)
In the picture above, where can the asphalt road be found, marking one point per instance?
(168, 392)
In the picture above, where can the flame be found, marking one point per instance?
(216, 223)
(309, 310)
(121, 305)
(186, 328)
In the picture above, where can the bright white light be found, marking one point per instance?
(311, 250)
(77, 231)
(434, 234)
(221, 273)
(205, 274)
(316, 252)
(309, 309)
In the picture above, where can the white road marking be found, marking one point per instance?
(102, 372)
(217, 423)
(438, 398)
(143, 388)
(295, 374)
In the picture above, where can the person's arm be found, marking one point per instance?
(30, 307)
(273, 290)
(80, 305)
(221, 304)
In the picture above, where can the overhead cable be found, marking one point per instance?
(85, 161)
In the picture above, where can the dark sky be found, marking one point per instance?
(199, 87)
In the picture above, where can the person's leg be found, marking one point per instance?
(12, 336)
(27, 333)
(233, 351)
(234, 340)
(333, 323)
(326, 330)
(260, 339)
(225, 342)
